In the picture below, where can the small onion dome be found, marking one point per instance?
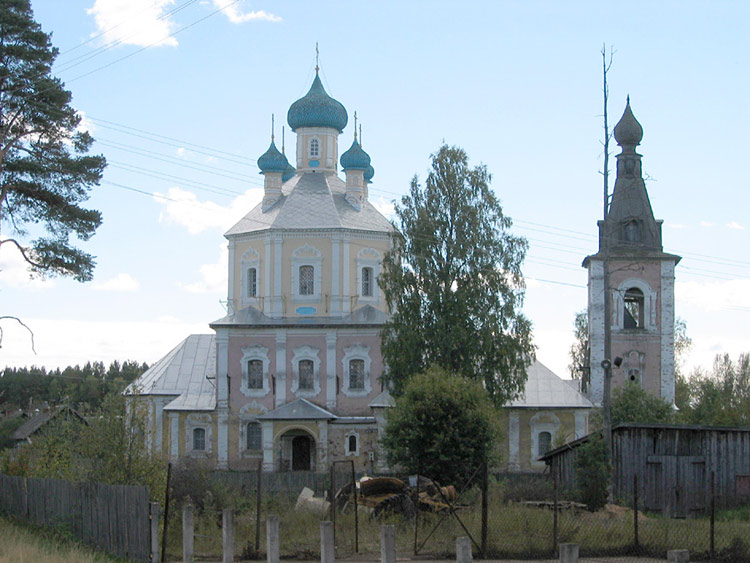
(317, 109)
(272, 160)
(369, 173)
(628, 132)
(355, 158)
(288, 173)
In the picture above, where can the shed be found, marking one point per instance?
(673, 464)
(36, 423)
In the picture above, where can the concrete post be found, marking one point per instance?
(678, 556)
(272, 539)
(388, 544)
(463, 550)
(327, 554)
(227, 535)
(568, 553)
(187, 533)
(154, 516)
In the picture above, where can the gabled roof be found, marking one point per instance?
(300, 409)
(544, 389)
(312, 200)
(187, 372)
(36, 422)
(382, 401)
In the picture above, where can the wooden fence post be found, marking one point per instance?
(187, 534)
(227, 535)
(154, 520)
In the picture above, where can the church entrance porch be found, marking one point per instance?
(297, 451)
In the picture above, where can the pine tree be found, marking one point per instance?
(46, 172)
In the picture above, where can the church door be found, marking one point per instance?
(301, 452)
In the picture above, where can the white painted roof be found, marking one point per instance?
(544, 389)
(312, 200)
(188, 372)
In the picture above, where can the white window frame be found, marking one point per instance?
(250, 259)
(368, 258)
(543, 421)
(314, 141)
(255, 352)
(358, 442)
(195, 421)
(306, 353)
(307, 256)
(249, 413)
(356, 352)
(649, 304)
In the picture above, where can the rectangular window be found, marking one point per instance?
(199, 439)
(255, 374)
(306, 375)
(314, 148)
(356, 374)
(252, 282)
(306, 280)
(254, 436)
(367, 282)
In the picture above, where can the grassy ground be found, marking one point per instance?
(24, 545)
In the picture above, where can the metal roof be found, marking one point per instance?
(312, 200)
(188, 372)
(383, 400)
(37, 421)
(300, 409)
(250, 316)
(545, 389)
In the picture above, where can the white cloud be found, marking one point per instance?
(134, 22)
(214, 276)
(86, 124)
(715, 295)
(676, 226)
(385, 207)
(181, 152)
(735, 226)
(232, 10)
(183, 208)
(14, 271)
(121, 282)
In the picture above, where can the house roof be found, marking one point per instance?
(312, 200)
(300, 409)
(250, 316)
(382, 401)
(36, 422)
(187, 372)
(545, 389)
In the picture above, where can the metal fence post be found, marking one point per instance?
(259, 496)
(636, 542)
(356, 512)
(713, 513)
(485, 505)
(555, 509)
(416, 519)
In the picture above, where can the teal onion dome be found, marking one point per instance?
(272, 160)
(369, 173)
(355, 158)
(317, 109)
(288, 173)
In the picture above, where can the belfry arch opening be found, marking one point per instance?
(634, 304)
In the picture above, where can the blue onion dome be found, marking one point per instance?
(628, 132)
(272, 160)
(317, 109)
(355, 158)
(369, 173)
(288, 173)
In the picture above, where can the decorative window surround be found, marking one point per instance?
(306, 256)
(351, 438)
(635, 361)
(250, 260)
(255, 352)
(306, 353)
(368, 258)
(649, 304)
(253, 436)
(193, 422)
(356, 352)
(249, 414)
(543, 421)
(313, 150)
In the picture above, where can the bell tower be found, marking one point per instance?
(631, 281)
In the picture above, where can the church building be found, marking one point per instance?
(632, 279)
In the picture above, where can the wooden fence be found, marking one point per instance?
(114, 518)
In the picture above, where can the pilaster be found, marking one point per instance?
(280, 396)
(331, 370)
(514, 441)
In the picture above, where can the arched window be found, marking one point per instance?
(351, 444)
(252, 282)
(545, 443)
(254, 436)
(199, 439)
(306, 280)
(356, 374)
(255, 374)
(631, 232)
(634, 309)
(314, 148)
(367, 282)
(306, 375)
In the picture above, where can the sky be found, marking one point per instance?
(179, 96)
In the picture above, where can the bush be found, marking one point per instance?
(593, 472)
